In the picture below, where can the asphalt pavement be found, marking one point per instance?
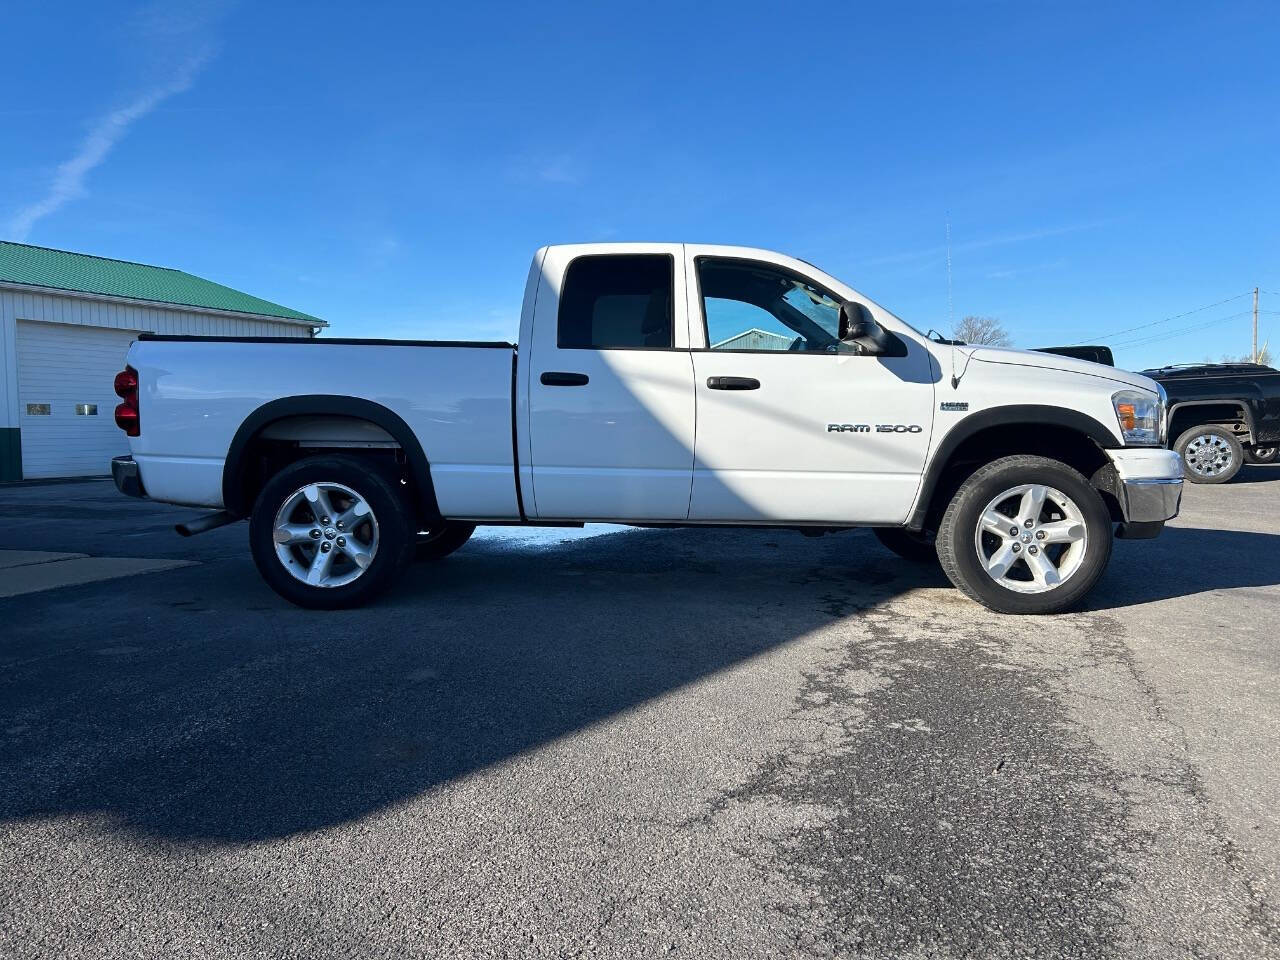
(634, 743)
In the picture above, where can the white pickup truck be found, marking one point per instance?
(655, 384)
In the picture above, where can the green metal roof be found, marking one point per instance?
(43, 267)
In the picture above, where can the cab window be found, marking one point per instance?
(616, 302)
(749, 306)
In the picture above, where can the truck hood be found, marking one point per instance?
(1053, 361)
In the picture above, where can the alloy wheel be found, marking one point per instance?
(1031, 538)
(325, 534)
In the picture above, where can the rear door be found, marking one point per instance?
(610, 386)
(791, 426)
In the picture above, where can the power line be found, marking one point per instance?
(1153, 323)
(1170, 334)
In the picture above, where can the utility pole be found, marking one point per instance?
(1255, 324)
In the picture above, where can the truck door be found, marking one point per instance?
(791, 426)
(610, 386)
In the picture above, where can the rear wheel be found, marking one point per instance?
(441, 542)
(1261, 454)
(1025, 535)
(330, 532)
(1210, 454)
(913, 545)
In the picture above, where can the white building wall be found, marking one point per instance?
(86, 310)
(53, 308)
(8, 367)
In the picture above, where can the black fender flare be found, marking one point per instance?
(1244, 405)
(326, 405)
(1028, 415)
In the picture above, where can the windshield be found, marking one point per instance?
(863, 299)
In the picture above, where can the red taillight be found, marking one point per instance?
(127, 384)
(127, 413)
(127, 420)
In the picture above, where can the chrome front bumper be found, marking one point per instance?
(1149, 500)
(1148, 487)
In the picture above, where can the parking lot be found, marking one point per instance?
(638, 743)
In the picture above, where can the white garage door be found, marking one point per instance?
(66, 400)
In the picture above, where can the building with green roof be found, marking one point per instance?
(66, 322)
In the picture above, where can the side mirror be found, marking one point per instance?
(857, 326)
(853, 321)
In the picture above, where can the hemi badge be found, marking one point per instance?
(955, 405)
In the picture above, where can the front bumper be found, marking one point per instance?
(1150, 501)
(1148, 487)
(125, 473)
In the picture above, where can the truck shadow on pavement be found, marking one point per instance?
(200, 706)
(1258, 473)
(1184, 561)
(195, 705)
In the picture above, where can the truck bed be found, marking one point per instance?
(455, 397)
(350, 341)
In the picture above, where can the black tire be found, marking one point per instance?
(958, 536)
(1261, 455)
(391, 514)
(1210, 454)
(439, 544)
(916, 546)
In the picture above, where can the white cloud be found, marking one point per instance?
(934, 254)
(563, 168)
(1008, 273)
(107, 131)
(557, 168)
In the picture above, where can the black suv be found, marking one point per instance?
(1221, 416)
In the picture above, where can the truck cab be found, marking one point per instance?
(711, 384)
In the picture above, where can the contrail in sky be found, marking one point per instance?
(106, 132)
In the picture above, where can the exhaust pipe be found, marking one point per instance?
(209, 521)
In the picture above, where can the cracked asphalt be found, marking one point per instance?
(709, 744)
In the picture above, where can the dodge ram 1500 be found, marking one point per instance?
(655, 384)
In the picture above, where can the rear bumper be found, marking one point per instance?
(125, 473)
(1148, 486)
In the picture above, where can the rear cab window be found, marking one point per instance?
(617, 302)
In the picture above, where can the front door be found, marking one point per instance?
(611, 398)
(792, 427)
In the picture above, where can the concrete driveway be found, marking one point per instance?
(720, 744)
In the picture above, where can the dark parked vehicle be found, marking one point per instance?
(1221, 416)
(1094, 354)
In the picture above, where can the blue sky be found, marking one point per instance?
(392, 167)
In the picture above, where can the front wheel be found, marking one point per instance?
(1025, 535)
(330, 532)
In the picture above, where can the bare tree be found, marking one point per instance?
(1263, 357)
(985, 330)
